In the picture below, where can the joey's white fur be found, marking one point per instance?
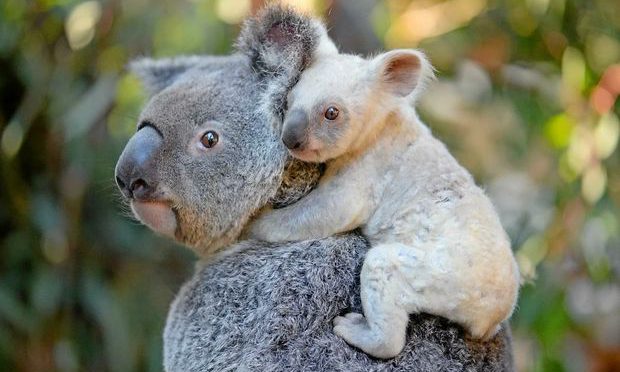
(437, 242)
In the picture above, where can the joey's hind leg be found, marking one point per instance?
(398, 280)
(382, 331)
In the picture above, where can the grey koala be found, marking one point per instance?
(204, 160)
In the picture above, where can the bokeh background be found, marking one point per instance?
(526, 99)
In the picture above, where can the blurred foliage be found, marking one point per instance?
(526, 99)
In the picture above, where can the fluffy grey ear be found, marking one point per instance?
(280, 43)
(279, 40)
(157, 74)
(403, 72)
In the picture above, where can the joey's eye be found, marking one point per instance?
(209, 139)
(331, 113)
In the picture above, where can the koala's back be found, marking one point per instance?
(270, 308)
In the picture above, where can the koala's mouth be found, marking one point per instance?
(157, 215)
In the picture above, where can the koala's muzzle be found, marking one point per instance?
(135, 171)
(295, 130)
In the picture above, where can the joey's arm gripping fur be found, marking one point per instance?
(326, 211)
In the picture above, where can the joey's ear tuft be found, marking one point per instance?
(404, 72)
(157, 74)
(280, 39)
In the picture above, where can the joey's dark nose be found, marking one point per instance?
(295, 129)
(136, 170)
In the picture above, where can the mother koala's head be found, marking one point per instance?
(206, 155)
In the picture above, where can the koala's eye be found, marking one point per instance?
(331, 113)
(209, 139)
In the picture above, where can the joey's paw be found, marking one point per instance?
(260, 228)
(257, 231)
(267, 229)
(349, 319)
(354, 329)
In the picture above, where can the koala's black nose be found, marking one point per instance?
(295, 129)
(136, 171)
(136, 189)
(291, 143)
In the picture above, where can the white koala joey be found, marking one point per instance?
(437, 242)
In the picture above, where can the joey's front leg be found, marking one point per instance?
(324, 212)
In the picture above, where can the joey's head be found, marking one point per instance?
(203, 158)
(342, 101)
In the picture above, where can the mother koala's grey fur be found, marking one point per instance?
(256, 306)
(270, 308)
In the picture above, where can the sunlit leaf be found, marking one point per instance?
(558, 130)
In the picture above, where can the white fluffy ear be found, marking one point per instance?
(403, 72)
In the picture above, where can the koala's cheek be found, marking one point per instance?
(156, 215)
